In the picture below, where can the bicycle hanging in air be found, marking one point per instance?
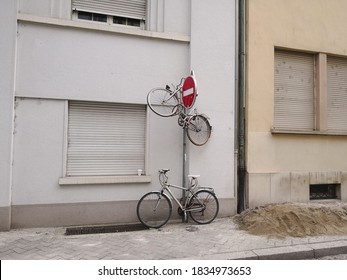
(167, 102)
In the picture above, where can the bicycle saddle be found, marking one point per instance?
(194, 176)
(164, 170)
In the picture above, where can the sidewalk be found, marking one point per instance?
(218, 240)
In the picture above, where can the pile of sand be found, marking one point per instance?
(297, 220)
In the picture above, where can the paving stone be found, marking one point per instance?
(218, 240)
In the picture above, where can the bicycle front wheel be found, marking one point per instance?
(198, 130)
(154, 209)
(162, 102)
(204, 207)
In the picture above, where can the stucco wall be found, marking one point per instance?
(59, 60)
(309, 25)
(8, 27)
(93, 65)
(213, 59)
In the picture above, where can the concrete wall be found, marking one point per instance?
(8, 26)
(59, 59)
(314, 26)
(213, 59)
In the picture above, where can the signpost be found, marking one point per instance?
(189, 92)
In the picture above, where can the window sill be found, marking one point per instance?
(103, 27)
(308, 132)
(95, 180)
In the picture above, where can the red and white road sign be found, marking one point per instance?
(189, 92)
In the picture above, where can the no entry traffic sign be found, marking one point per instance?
(189, 91)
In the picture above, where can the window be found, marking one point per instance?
(92, 16)
(310, 93)
(324, 191)
(105, 139)
(126, 21)
(294, 91)
(337, 94)
(129, 13)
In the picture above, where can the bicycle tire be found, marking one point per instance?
(160, 102)
(199, 130)
(211, 206)
(154, 209)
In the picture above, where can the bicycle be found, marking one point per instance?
(197, 126)
(154, 209)
(168, 103)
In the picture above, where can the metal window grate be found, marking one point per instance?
(323, 191)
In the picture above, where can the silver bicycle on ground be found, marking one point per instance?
(154, 208)
(167, 102)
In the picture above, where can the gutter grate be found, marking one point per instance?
(104, 229)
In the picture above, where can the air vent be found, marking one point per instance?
(324, 191)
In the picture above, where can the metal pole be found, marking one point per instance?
(184, 171)
(185, 162)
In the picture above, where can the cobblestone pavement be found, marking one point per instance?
(335, 257)
(218, 240)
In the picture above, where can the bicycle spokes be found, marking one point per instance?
(208, 206)
(198, 130)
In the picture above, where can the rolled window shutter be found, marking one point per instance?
(105, 139)
(337, 94)
(124, 8)
(294, 91)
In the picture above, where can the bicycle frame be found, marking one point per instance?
(167, 188)
(192, 189)
(184, 119)
(174, 93)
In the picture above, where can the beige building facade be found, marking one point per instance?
(296, 101)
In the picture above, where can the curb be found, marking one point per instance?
(296, 252)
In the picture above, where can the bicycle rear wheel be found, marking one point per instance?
(207, 207)
(154, 209)
(162, 102)
(199, 130)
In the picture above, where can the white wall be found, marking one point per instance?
(56, 63)
(93, 65)
(164, 15)
(213, 60)
(46, 8)
(7, 68)
(39, 155)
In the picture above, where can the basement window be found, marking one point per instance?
(324, 191)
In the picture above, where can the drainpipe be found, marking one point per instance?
(241, 165)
